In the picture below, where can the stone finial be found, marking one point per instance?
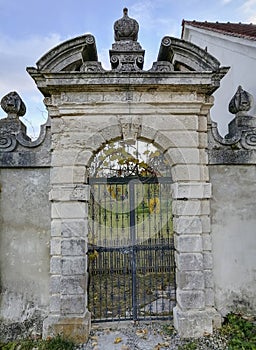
(13, 105)
(241, 102)
(126, 28)
(126, 55)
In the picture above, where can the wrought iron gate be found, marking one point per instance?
(131, 254)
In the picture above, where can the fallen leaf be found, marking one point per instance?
(159, 346)
(94, 337)
(125, 347)
(207, 334)
(141, 332)
(118, 340)
(165, 344)
(94, 344)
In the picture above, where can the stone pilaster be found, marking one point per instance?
(68, 314)
(194, 313)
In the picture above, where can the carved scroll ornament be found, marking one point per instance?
(12, 130)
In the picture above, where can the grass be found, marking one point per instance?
(241, 332)
(56, 343)
(237, 332)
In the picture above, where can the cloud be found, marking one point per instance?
(249, 10)
(226, 1)
(145, 13)
(15, 56)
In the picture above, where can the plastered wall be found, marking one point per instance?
(233, 216)
(24, 242)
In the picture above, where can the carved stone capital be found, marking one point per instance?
(127, 62)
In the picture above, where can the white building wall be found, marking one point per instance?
(240, 55)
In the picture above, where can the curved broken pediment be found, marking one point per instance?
(185, 56)
(70, 55)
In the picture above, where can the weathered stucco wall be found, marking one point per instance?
(24, 242)
(233, 213)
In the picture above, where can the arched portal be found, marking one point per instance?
(130, 238)
(89, 106)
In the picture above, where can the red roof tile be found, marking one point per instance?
(247, 31)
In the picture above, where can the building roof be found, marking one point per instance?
(241, 30)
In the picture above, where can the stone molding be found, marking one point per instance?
(186, 56)
(238, 147)
(202, 82)
(69, 55)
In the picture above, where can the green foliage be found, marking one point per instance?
(57, 343)
(168, 329)
(189, 346)
(240, 332)
(122, 159)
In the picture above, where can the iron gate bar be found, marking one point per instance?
(127, 179)
(128, 249)
(133, 240)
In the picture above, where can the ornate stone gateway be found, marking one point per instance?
(167, 106)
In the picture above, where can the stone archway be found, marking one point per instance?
(88, 107)
(190, 193)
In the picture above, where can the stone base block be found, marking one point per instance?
(73, 328)
(194, 324)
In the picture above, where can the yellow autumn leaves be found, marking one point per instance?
(154, 205)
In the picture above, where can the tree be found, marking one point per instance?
(120, 159)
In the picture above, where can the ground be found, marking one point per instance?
(146, 336)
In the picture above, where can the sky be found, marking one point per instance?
(30, 28)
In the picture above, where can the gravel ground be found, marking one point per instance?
(146, 336)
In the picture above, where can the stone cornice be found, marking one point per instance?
(201, 82)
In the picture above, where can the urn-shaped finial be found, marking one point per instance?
(13, 105)
(241, 102)
(126, 28)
